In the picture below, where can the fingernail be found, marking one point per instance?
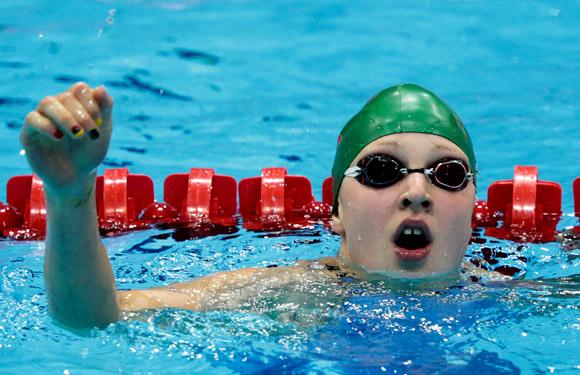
(57, 134)
(99, 122)
(94, 134)
(77, 131)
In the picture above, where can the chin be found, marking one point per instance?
(412, 271)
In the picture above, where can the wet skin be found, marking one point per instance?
(67, 136)
(368, 218)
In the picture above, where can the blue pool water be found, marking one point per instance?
(240, 85)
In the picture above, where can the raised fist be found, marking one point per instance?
(67, 136)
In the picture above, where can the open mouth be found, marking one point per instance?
(412, 240)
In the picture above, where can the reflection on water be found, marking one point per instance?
(237, 86)
(448, 326)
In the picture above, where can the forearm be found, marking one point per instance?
(78, 276)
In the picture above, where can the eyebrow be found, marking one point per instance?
(390, 143)
(443, 147)
(438, 147)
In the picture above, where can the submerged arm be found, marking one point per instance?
(220, 291)
(217, 291)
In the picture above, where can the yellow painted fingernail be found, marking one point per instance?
(99, 122)
(77, 131)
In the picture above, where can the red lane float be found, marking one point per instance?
(576, 188)
(121, 197)
(25, 216)
(276, 200)
(202, 197)
(327, 195)
(523, 209)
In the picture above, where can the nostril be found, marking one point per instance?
(425, 204)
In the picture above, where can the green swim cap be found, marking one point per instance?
(404, 108)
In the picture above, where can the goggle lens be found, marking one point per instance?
(381, 170)
(451, 174)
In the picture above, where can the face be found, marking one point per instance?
(412, 229)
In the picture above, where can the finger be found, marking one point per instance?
(84, 94)
(35, 122)
(74, 107)
(52, 108)
(105, 102)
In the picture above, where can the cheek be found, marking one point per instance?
(366, 213)
(456, 216)
(366, 206)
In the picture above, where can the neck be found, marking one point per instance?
(346, 264)
(345, 258)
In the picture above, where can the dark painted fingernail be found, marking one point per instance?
(94, 134)
(57, 134)
(77, 131)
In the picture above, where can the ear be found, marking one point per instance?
(337, 225)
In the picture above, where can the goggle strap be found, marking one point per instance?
(353, 171)
(425, 171)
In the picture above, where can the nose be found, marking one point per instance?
(416, 196)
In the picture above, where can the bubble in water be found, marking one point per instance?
(111, 16)
(110, 20)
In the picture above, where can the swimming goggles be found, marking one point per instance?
(381, 171)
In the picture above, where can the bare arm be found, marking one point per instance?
(65, 139)
(78, 276)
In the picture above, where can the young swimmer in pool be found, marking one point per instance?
(404, 187)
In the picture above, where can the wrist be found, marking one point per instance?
(77, 193)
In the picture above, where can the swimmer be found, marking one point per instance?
(403, 181)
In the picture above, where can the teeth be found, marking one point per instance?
(413, 231)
